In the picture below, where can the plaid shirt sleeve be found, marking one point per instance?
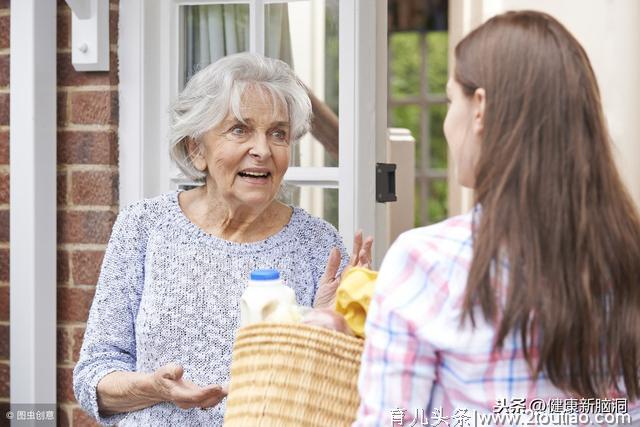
(398, 366)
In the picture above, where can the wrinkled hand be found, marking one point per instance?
(170, 385)
(327, 318)
(360, 257)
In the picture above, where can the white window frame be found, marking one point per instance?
(149, 78)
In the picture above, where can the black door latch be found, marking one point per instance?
(386, 182)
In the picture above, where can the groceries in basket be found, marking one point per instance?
(304, 375)
(268, 299)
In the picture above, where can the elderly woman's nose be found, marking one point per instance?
(259, 146)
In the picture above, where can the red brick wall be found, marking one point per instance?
(87, 198)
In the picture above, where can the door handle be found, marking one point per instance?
(386, 182)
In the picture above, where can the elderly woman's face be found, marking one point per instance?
(246, 160)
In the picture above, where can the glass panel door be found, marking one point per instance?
(210, 32)
(304, 34)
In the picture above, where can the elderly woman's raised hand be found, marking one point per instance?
(171, 387)
(360, 257)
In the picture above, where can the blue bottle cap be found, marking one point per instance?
(265, 275)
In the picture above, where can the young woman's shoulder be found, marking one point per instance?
(442, 241)
(432, 258)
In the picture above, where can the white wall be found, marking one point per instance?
(609, 30)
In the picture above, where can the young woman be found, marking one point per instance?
(535, 294)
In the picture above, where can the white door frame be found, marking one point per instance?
(33, 203)
(363, 106)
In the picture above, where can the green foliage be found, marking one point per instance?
(438, 69)
(437, 142)
(404, 72)
(438, 200)
(331, 199)
(404, 68)
(407, 116)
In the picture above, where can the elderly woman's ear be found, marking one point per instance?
(195, 154)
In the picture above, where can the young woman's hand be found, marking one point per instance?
(327, 318)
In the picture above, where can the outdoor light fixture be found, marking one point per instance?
(89, 34)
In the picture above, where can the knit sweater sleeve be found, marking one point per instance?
(109, 342)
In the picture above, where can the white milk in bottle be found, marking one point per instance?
(267, 299)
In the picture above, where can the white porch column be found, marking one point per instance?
(33, 203)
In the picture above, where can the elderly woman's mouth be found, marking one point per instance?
(255, 177)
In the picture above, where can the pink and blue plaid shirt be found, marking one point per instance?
(419, 364)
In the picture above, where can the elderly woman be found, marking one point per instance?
(157, 347)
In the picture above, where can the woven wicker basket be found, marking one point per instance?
(293, 375)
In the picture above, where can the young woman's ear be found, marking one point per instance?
(479, 102)
(195, 154)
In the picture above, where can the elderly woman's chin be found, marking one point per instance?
(256, 192)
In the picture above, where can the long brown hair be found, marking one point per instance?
(553, 207)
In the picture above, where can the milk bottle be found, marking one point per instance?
(267, 299)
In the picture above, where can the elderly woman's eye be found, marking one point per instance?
(238, 130)
(279, 134)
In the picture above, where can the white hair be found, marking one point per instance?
(217, 89)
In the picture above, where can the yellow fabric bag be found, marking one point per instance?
(354, 295)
